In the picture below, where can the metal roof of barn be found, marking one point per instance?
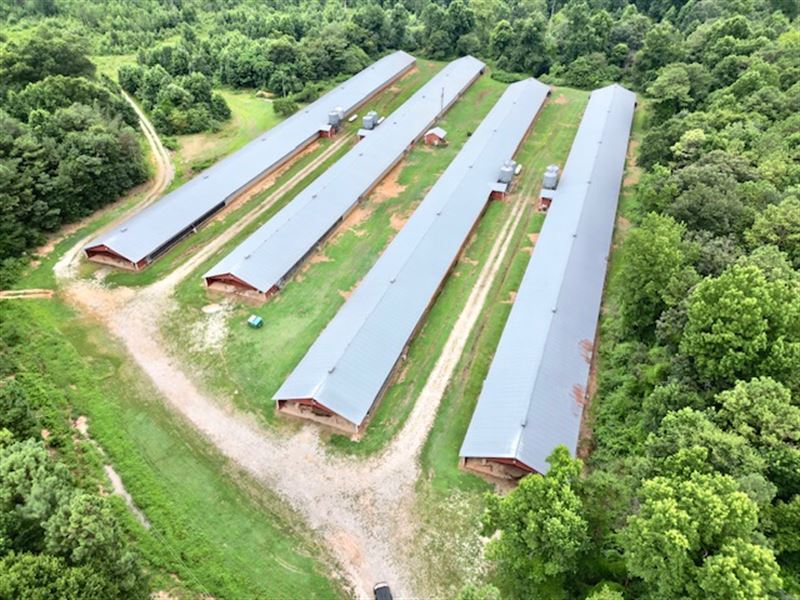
(532, 399)
(271, 252)
(351, 360)
(155, 227)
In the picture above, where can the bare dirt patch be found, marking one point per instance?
(354, 218)
(119, 490)
(561, 99)
(25, 294)
(632, 172)
(397, 221)
(319, 258)
(82, 425)
(512, 295)
(211, 331)
(389, 187)
(347, 293)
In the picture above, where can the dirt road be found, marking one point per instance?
(360, 508)
(25, 294)
(66, 267)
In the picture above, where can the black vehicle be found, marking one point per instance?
(382, 591)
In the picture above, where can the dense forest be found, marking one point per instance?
(690, 486)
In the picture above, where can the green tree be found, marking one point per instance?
(688, 532)
(85, 532)
(662, 45)
(783, 527)
(605, 592)
(542, 528)
(655, 261)
(740, 570)
(32, 487)
(671, 91)
(42, 577)
(763, 412)
(779, 225)
(689, 442)
(284, 107)
(484, 592)
(16, 413)
(741, 325)
(45, 52)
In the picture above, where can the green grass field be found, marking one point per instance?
(251, 116)
(214, 531)
(252, 364)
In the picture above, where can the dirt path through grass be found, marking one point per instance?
(362, 509)
(66, 267)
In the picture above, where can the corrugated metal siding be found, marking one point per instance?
(532, 399)
(349, 363)
(265, 258)
(155, 227)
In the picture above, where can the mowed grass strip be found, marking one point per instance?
(252, 364)
(450, 500)
(214, 530)
(547, 142)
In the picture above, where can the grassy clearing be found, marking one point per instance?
(109, 65)
(251, 116)
(214, 532)
(252, 364)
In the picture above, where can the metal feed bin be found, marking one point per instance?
(550, 180)
(507, 172)
(334, 119)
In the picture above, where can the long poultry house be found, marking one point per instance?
(259, 266)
